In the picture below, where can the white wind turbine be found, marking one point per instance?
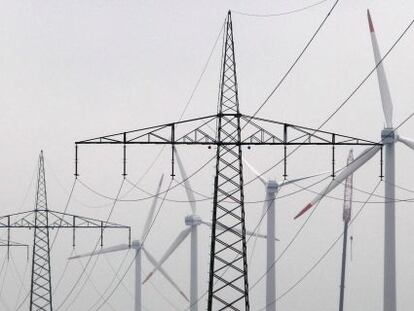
(388, 138)
(272, 187)
(138, 246)
(193, 221)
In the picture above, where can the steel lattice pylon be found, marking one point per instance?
(41, 219)
(41, 288)
(228, 285)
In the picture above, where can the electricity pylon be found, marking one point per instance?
(41, 219)
(228, 282)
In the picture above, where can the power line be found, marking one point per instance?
(89, 279)
(114, 278)
(21, 288)
(89, 259)
(295, 61)
(142, 243)
(281, 13)
(207, 198)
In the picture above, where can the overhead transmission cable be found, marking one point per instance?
(114, 277)
(206, 198)
(142, 243)
(95, 288)
(293, 65)
(281, 13)
(133, 260)
(89, 259)
(126, 289)
(21, 287)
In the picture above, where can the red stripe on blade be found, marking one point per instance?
(307, 207)
(371, 25)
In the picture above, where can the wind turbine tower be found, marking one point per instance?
(272, 187)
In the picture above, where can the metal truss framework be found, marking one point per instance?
(41, 220)
(228, 130)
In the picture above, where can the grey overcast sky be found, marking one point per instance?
(71, 70)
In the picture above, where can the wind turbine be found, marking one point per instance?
(272, 189)
(192, 221)
(388, 138)
(138, 246)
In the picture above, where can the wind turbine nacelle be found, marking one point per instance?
(388, 136)
(192, 220)
(272, 186)
(136, 244)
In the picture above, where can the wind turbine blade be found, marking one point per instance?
(152, 210)
(187, 185)
(164, 273)
(408, 142)
(347, 208)
(364, 157)
(105, 250)
(255, 172)
(302, 178)
(180, 238)
(250, 233)
(382, 78)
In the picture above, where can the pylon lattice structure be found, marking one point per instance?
(41, 219)
(228, 282)
(228, 247)
(41, 286)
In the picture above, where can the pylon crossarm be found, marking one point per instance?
(254, 131)
(64, 220)
(56, 220)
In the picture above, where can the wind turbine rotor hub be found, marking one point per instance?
(388, 136)
(192, 220)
